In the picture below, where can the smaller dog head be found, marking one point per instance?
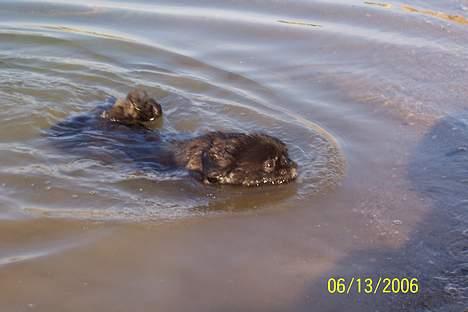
(136, 108)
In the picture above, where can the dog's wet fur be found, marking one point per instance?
(136, 108)
(213, 158)
(237, 158)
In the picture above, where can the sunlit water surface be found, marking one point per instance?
(371, 98)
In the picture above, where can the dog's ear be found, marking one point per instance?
(218, 160)
(118, 111)
(223, 151)
(137, 95)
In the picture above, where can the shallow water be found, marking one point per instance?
(369, 96)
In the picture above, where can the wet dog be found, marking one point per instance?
(136, 108)
(236, 158)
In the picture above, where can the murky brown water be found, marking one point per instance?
(370, 96)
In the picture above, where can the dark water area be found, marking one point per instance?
(370, 97)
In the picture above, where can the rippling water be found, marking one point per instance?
(370, 97)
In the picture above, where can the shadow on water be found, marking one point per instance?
(437, 250)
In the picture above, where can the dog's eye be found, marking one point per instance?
(269, 165)
(284, 161)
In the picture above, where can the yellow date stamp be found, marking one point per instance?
(372, 286)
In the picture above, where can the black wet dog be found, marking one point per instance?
(134, 111)
(136, 108)
(118, 130)
(236, 158)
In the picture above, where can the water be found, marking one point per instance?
(369, 96)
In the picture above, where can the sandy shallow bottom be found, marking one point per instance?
(370, 97)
